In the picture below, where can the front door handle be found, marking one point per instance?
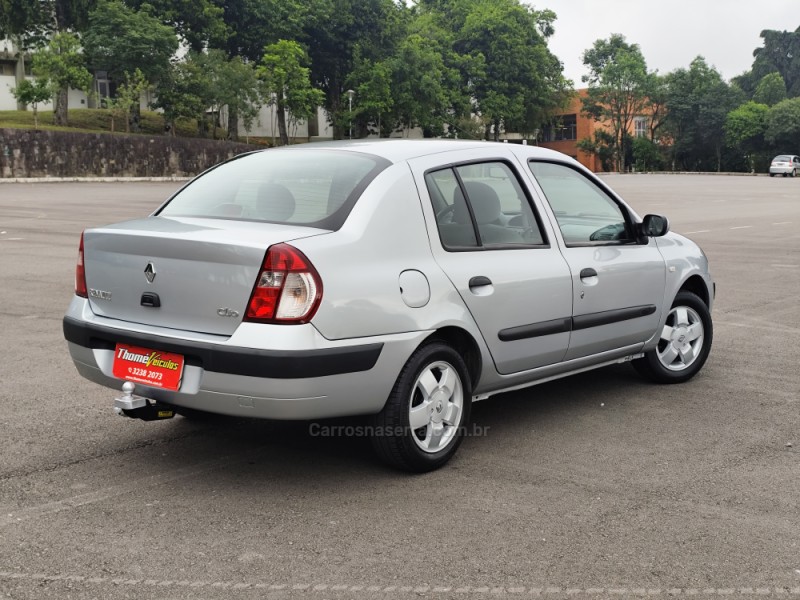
(586, 273)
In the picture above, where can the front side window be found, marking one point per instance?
(481, 206)
(586, 214)
(299, 187)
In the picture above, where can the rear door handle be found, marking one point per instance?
(586, 273)
(479, 281)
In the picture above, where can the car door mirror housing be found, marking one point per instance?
(654, 226)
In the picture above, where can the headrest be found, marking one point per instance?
(275, 202)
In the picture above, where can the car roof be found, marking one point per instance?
(399, 150)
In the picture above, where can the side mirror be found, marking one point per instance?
(654, 226)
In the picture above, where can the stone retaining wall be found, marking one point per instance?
(29, 153)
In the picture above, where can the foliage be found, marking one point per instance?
(128, 96)
(34, 93)
(698, 103)
(512, 77)
(31, 23)
(779, 54)
(337, 34)
(62, 63)
(783, 126)
(602, 144)
(199, 23)
(182, 93)
(744, 130)
(646, 155)
(618, 88)
(286, 79)
(120, 40)
(770, 90)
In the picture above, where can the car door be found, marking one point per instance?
(618, 279)
(489, 240)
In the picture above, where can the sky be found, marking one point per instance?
(670, 33)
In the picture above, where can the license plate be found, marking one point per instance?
(150, 367)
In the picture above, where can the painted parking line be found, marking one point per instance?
(742, 227)
(783, 223)
(698, 231)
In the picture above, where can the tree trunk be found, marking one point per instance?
(60, 110)
(497, 130)
(281, 114)
(487, 134)
(135, 119)
(233, 124)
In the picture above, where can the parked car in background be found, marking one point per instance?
(785, 164)
(401, 279)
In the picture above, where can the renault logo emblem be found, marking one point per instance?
(150, 272)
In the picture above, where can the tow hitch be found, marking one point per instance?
(137, 407)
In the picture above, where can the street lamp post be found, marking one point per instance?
(350, 94)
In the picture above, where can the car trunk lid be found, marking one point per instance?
(180, 273)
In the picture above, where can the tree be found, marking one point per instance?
(62, 63)
(127, 97)
(338, 32)
(120, 40)
(33, 93)
(183, 92)
(779, 54)
(744, 129)
(286, 79)
(698, 103)
(199, 23)
(618, 88)
(783, 125)
(514, 79)
(770, 90)
(240, 93)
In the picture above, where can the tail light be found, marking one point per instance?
(288, 288)
(80, 273)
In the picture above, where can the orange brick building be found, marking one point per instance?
(571, 127)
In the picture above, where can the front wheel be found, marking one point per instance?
(423, 421)
(684, 343)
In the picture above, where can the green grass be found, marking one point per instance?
(94, 120)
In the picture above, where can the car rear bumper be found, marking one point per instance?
(324, 379)
(781, 170)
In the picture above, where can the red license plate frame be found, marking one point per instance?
(148, 367)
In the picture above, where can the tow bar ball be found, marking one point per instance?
(137, 407)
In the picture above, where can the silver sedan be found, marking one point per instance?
(402, 280)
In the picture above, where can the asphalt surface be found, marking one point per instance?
(601, 485)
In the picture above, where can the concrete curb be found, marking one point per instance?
(92, 179)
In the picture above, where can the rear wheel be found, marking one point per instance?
(422, 423)
(684, 343)
(794, 172)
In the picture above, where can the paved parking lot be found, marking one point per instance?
(601, 485)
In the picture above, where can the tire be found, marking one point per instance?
(684, 345)
(433, 395)
(794, 173)
(772, 174)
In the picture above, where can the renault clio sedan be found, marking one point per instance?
(402, 280)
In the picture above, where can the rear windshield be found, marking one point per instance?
(317, 188)
(782, 158)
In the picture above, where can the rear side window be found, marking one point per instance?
(482, 205)
(317, 188)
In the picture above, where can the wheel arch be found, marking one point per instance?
(697, 285)
(461, 340)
